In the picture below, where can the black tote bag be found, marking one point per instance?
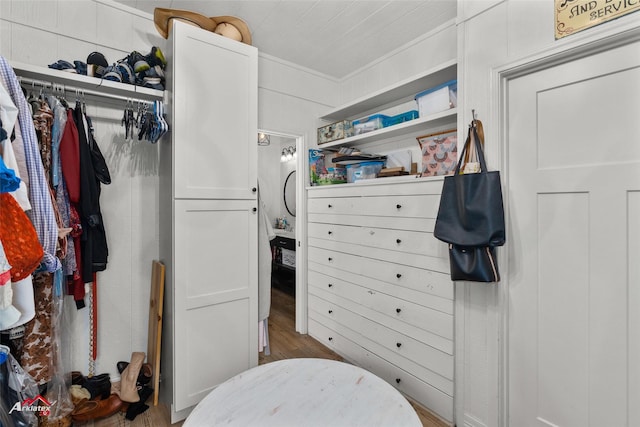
(473, 263)
(471, 211)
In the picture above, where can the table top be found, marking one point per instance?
(304, 393)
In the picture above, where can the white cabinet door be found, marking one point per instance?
(574, 186)
(215, 104)
(215, 295)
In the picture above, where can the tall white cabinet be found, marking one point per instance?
(208, 215)
(380, 292)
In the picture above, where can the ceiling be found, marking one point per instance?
(334, 37)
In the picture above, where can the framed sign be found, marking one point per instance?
(577, 15)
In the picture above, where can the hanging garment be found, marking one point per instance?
(43, 122)
(9, 314)
(36, 345)
(18, 238)
(41, 214)
(9, 182)
(23, 301)
(8, 117)
(57, 129)
(18, 150)
(265, 235)
(94, 241)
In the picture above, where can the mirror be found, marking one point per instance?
(289, 192)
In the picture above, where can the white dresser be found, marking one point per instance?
(380, 293)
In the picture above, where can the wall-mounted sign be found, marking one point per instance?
(576, 15)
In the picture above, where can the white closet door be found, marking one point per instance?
(214, 146)
(215, 290)
(215, 105)
(574, 276)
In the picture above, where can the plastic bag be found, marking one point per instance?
(19, 390)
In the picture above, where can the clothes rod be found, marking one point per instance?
(78, 91)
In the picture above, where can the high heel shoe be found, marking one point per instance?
(128, 380)
(144, 377)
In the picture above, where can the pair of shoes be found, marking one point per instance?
(144, 377)
(120, 72)
(94, 409)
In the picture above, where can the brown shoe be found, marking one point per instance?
(95, 409)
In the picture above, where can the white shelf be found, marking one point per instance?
(406, 128)
(400, 92)
(93, 84)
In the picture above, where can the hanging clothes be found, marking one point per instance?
(41, 214)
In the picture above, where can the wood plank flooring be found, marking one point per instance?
(285, 343)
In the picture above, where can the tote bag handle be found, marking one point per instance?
(478, 147)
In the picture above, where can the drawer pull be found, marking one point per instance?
(254, 209)
(330, 285)
(254, 189)
(398, 275)
(398, 241)
(330, 311)
(398, 206)
(398, 344)
(398, 380)
(329, 232)
(330, 259)
(398, 310)
(329, 206)
(330, 338)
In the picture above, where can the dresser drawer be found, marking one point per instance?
(431, 282)
(429, 326)
(416, 206)
(385, 238)
(434, 366)
(425, 394)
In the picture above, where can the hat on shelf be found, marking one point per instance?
(227, 26)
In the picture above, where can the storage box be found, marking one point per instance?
(364, 170)
(335, 131)
(368, 124)
(439, 98)
(319, 174)
(439, 153)
(401, 118)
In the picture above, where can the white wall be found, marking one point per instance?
(39, 33)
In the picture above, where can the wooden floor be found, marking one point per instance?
(285, 343)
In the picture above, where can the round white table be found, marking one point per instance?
(304, 393)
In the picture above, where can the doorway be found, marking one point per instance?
(571, 300)
(280, 188)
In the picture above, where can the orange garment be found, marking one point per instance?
(19, 239)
